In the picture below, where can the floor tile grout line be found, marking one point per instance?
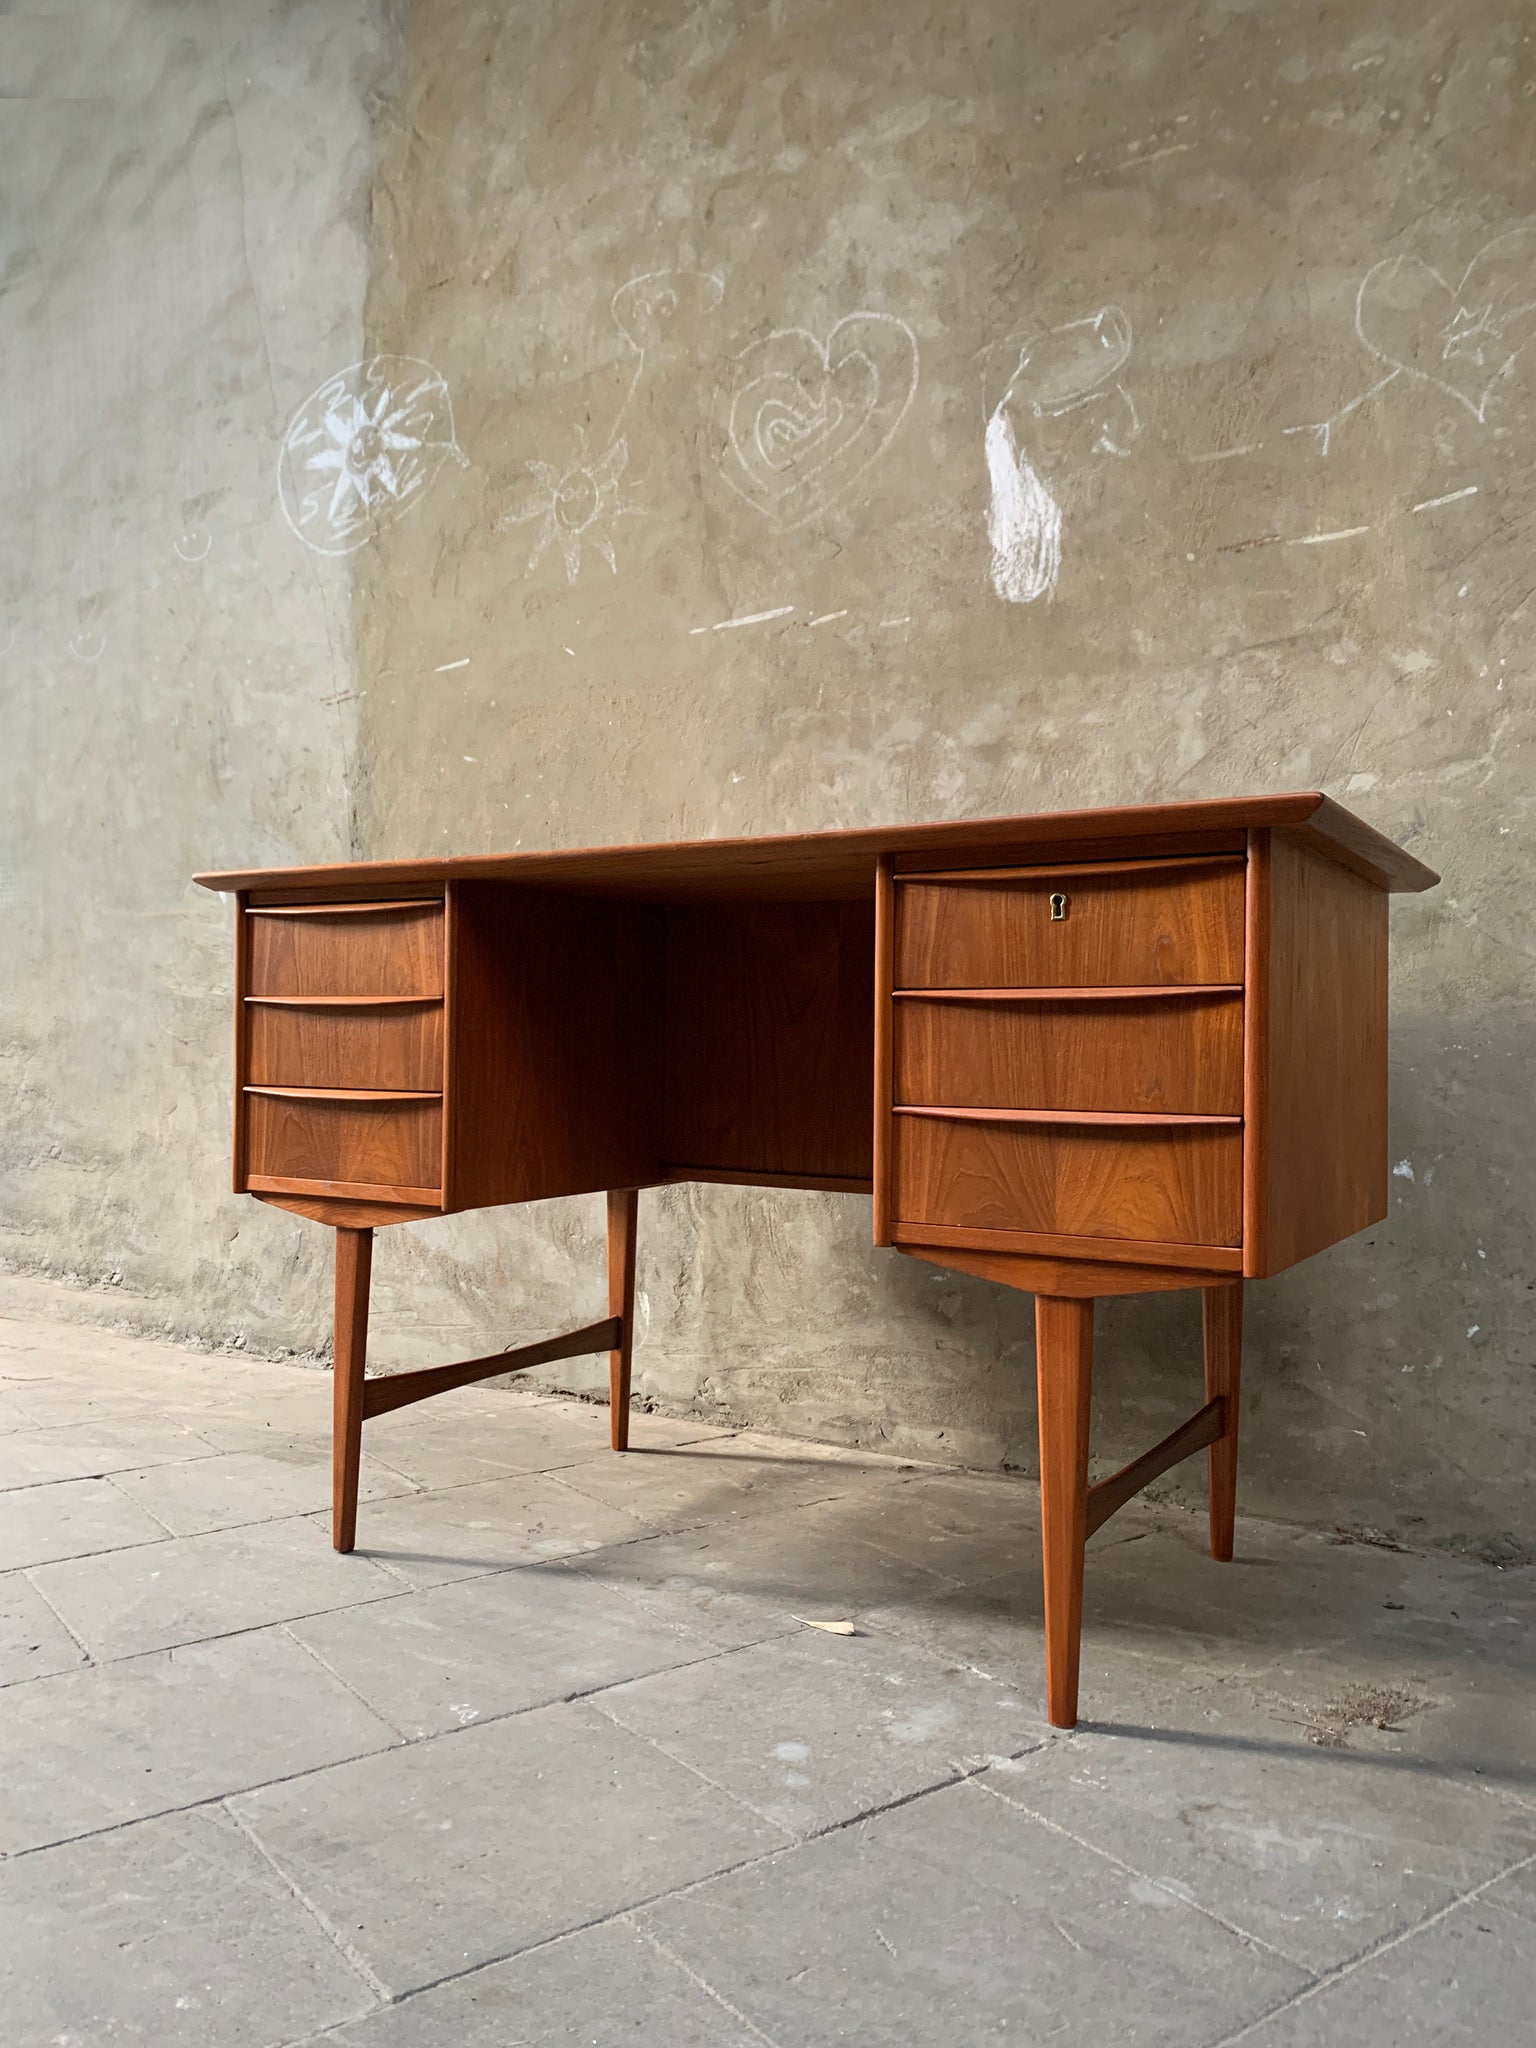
(122, 1493)
(1231, 1927)
(686, 1969)
(286, 1628)
(25, 1572)
(354, 1960)
(1340, 1971)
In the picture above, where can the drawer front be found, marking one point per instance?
(372, 1144)
(1182, 922)
(1178, 1055)
(1166, 1187)
(393, 951)
(393, 1046)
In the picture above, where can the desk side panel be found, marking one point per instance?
(1318, 994)
(552, 1019)
(769, 1026)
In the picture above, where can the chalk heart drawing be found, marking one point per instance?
(575, 507)
(801, 419)
(1462, 337)
(361, 450)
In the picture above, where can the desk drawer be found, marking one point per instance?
(1165, 1185)
(387, 949)
(315, 1044)
(1180, 1054)
(377, 1144)
(1137, 925)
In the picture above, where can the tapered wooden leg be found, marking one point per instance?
(623, 1213)
(1221, 1311)
(354, 1264)
(1064, 1364)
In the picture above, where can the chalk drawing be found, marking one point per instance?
(799, 420)
(649, 310)
(186, 545)
(88, 645)
(575, 507)
(1463, 337)
(1059, 372)
(360, 451)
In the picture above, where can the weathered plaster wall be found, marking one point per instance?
(1224, 177)
(184, 247)
(1271, 274)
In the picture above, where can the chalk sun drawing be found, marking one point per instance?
(801, 420)
(1067, 373)
(575, 507)
(360, 451)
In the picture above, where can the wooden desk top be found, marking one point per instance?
(833, 866)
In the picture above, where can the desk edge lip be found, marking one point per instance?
(1319, 819)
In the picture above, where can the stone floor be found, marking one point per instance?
(559, 1755)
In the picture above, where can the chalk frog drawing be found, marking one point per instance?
(801, 420)
(360, 451)
(1064, 402)
(575, 506)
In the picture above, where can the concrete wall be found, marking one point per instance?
(689, 314)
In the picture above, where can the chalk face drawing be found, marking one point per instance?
(1064, 401)
(801, 420)
(360, 451)
(1462, 337)
(575, 507)
(655, 311)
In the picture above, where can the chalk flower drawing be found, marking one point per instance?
(1068, 373)
(575, 506)
(801, 420)
(361, 450)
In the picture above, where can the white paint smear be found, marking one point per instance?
(1450, 498)
(1316, 540)
(825, 618)
(444, 667)
(1024, 523)
(751, 619)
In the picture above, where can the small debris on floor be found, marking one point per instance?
(831, 1628)
(1330, 1725)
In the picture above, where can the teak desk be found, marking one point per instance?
(1107, 1051)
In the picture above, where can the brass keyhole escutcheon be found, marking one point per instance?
(1058, 909)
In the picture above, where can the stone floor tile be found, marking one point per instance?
(185, 1588)
(957, 1920)
(1469, 1979)
(90, 1749)
(522, 1518)
(175, 1933)
(454, 1442)
(287, 1476)
(73, 1519)
(746, 1580)
(1320, 1853)
(473, 1845)
(33, 1641)
(814, 1729)
(711, 1482)
(606, 1987)
(465, 1652)
(87, 1450)
(971, 1527)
